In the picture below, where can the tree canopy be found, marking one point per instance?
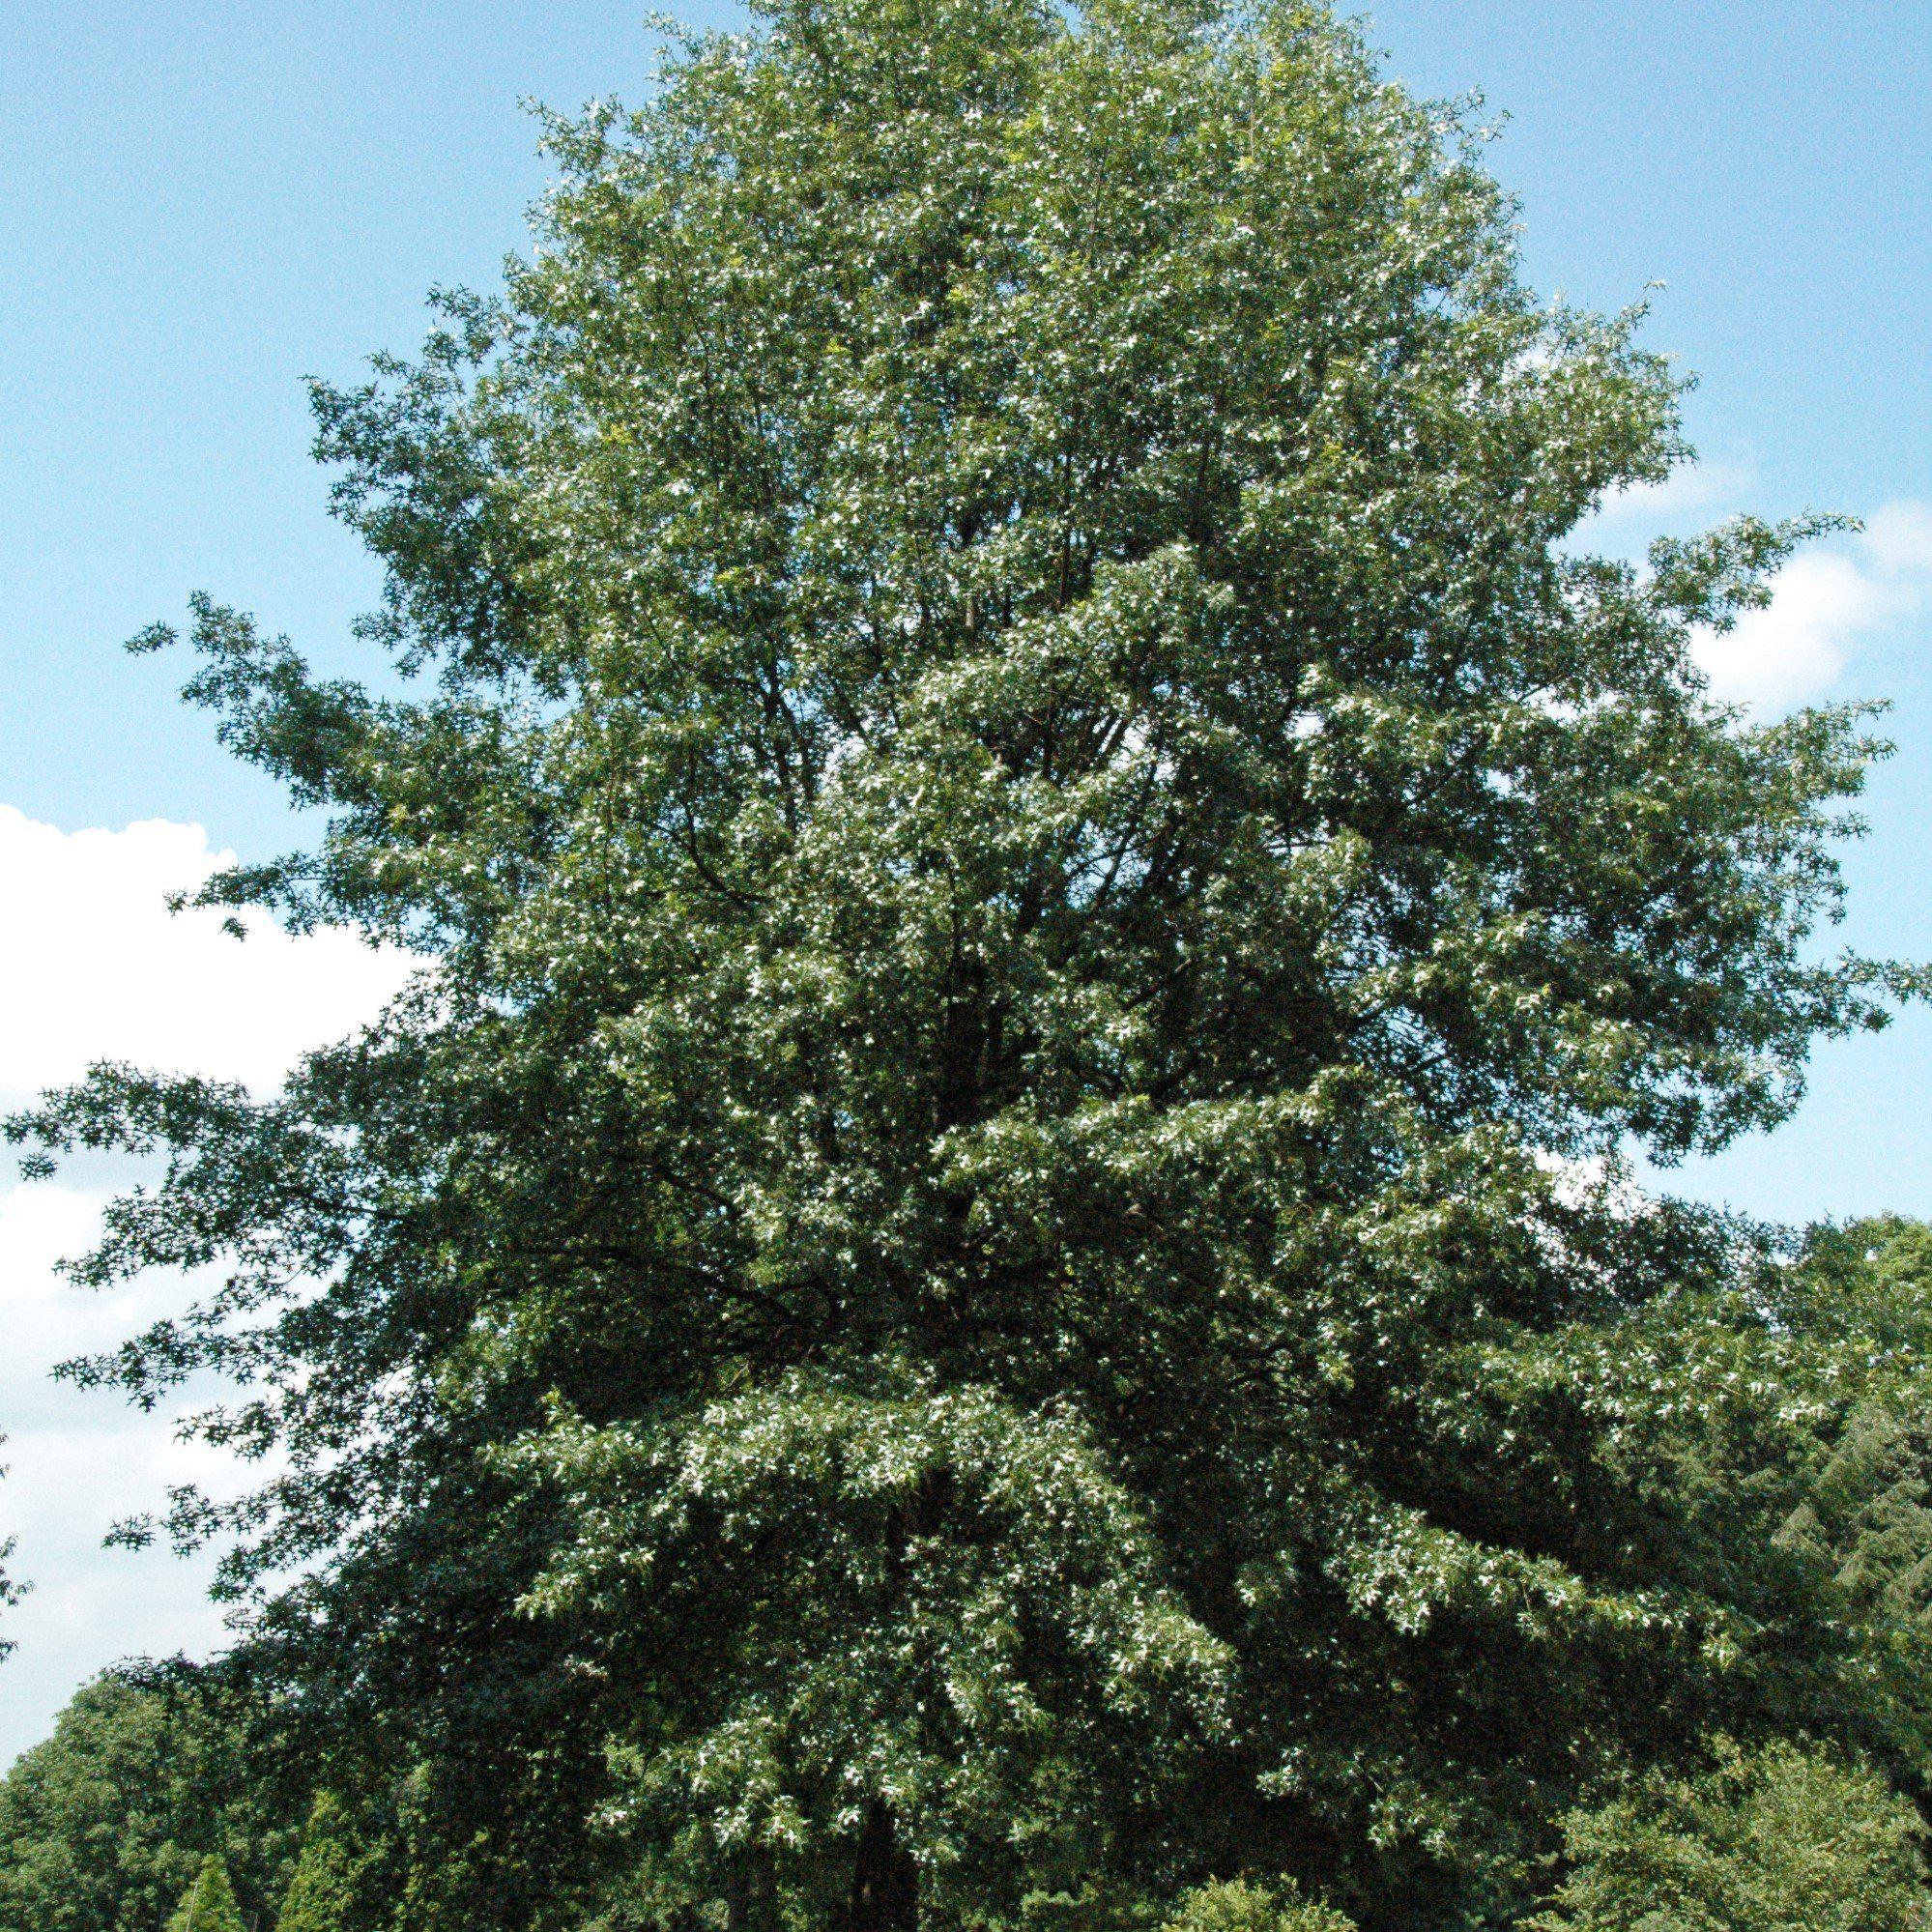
(985, 1276)
(106, 1823)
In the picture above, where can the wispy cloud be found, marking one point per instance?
(79, 1461)
(1691, 491)
(1827, 605)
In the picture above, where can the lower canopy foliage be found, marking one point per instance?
(977, 1286)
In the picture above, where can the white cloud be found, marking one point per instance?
(1899, 539)
(1827, 605)
(93, 966)
(96, 967)
(78, 1462)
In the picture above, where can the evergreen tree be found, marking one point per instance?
(208, 1904)
(1028, 837)
(330, 1890)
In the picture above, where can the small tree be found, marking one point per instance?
(1778, 1840)
(329, 1882)
(209, 1905)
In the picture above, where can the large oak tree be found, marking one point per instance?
(970, 1285)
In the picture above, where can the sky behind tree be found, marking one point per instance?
(208, 202)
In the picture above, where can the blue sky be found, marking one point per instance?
(206, 202)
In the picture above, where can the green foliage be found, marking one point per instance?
(1858, 1300)
(1025, 834)
(1866, 1518)
(1778, 1840)
(106, 1823)
(977, 1611)
(208, 1904)
(1237, 1905)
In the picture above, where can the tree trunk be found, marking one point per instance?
(749, 1904)
(885, 1882)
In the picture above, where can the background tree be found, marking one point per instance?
(106, 1825)
(952, 1287)
(1237, 1905)
(342, 1881)
(1782, 1840)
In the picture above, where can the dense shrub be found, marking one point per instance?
(1237, 1905)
